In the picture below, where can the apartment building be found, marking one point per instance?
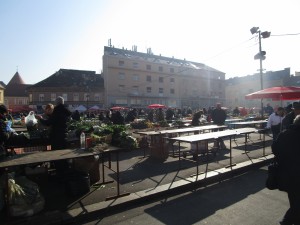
(136, 79)
(77, 87)
(238, 87)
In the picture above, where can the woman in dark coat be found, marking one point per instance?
(287, 153)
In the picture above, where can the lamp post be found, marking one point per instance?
(261, 56)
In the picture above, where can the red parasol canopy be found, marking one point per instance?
(276, 93)
(156, 106)
(118, 108)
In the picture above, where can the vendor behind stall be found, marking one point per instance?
(46, 115)
(58, 122)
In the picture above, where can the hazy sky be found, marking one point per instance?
(38, 37)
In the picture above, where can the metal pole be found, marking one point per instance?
(261, 75)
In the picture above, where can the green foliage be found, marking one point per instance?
(163, 123)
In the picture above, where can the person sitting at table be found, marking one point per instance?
(218, 116)
(4, 134)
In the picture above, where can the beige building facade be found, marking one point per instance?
(136, 79)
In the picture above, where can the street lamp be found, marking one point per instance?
(261, 55)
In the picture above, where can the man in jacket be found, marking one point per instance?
(218, 116)
(287, 154)
(274, 122)
(289, 117)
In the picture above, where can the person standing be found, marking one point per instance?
(4, 134)
(76, 115)
(218, 115)
(287, 154)
(269, 109)
(290, 116)
(274, 122)
(58, 122)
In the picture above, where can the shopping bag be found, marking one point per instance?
(31, 121)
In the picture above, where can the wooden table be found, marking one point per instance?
(249, 123)
(109, 151)
(38, 157)
(212, 136)
(55, 155)
(157, 137)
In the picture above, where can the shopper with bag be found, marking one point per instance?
(287, 154)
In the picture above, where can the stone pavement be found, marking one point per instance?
(145, 177)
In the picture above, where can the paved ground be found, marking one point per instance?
(144, 177)
(241, 200)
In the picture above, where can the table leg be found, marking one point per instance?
(118, 181)
(230, 149)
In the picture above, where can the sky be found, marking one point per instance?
(39, 37)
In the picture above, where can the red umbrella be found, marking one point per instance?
(156, 106)
(276, 93)
(117, 108)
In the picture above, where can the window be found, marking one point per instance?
(97, 97)
(65, 96)
(148, 67)
(135, 65)
(75, 97)
(148, 78)
(121, 76)
(135, 101)
(41, 97)
(30, 97)
(135, 90)
(172, 91)
(160, 69)
(160, 90)
(121, 63)
(121, 101)
(172, 80)
(121, 87)
(53, 97)
(172, 70)
(149, 90)
(135, 77)
(86, 97)
(161, 79)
